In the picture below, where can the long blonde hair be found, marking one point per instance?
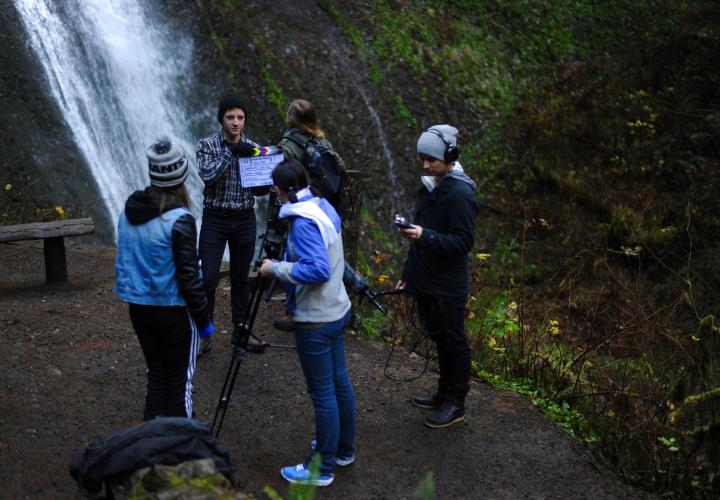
(301, 114)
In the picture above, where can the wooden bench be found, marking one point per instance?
(53, 245)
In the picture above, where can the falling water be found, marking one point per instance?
(116, 75)
(373, 114)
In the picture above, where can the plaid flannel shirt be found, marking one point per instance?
(220, 171)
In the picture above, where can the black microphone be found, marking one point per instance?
(357, 285)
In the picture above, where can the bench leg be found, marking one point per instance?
(55, 265)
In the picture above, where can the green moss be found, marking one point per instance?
(404, 113)
(693, 405)
(376, 74)
(373, 324)
(274, 94)
(566, 417)
(347, 27)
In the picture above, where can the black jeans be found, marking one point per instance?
(443, 319)
(169, 341)
(237, 230)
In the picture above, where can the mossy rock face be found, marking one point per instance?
(196, 480)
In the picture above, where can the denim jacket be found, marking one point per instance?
(157, 261)
(144, 268)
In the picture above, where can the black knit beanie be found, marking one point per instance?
(231, 101)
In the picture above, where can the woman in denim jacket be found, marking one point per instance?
(157, 274)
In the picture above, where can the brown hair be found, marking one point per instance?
(301, 114)
(166, 196)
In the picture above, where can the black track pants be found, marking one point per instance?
(443, 319)
(238, 232)
(169, 340)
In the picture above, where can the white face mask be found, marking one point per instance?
(430, 181)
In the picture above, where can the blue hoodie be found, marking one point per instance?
(314, 262)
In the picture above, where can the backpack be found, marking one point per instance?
(321, 163)
(168, 441)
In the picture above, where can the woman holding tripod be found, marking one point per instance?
(316, 298)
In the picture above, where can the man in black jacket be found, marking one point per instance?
(436, 270)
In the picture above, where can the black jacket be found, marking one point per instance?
(437, 263)
(167, 441)
(143, 206)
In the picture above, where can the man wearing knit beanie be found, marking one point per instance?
(436, 272)
(228, 210)
(435, 141)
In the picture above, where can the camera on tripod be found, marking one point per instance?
(272, 247)
(273, 240)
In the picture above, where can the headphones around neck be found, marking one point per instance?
(452, 152)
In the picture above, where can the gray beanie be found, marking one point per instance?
(167, 163)
(432, 144)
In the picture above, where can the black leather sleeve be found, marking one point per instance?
(187, 269)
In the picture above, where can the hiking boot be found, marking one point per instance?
(448, 414)
(285, 324)
(341, 460)
(205, 346)
(300, 474)
(255, 346)
(429, 401)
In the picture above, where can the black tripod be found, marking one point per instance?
(273, 246)
(239, 349)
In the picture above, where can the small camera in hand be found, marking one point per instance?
(401, 222)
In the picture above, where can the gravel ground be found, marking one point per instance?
(72, 369)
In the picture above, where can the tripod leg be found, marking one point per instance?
(237, 357)
(227, 390)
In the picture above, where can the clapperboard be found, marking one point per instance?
(257, 170)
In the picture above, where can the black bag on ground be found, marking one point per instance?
(167, 441)
(321, 163)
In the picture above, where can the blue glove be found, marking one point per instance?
(206, 331)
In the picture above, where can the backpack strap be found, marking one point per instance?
(293, 134)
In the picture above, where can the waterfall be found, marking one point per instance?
(397, 189)
(117, 77)
(342, 58)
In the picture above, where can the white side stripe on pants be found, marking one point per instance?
(194, 344)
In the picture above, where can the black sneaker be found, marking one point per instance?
(205, 346)
(448, 414)
(286, 325)
(429, 401)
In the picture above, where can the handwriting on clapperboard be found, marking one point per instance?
(257, 170)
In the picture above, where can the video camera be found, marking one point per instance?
(273, 239)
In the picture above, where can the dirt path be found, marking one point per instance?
(72, 369)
